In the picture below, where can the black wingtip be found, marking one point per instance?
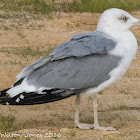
(33, 98)
(4, 97)
(3, 92)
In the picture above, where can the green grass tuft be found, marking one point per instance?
(88, 120)
(29, 51)
(98, 6)
(6, 122)
(31, 6)
(45, 7)
(119, 107)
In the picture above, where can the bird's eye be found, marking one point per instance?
(124, 18)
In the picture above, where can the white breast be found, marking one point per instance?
(126, 48)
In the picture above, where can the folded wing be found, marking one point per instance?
(80, 45)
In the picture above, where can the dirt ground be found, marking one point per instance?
(119, 105)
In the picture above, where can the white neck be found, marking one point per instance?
(115, 34)
(127, 45)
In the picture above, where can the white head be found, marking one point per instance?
(116, 20)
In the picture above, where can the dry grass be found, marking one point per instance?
(119, 105)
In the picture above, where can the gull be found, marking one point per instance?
(83, 66)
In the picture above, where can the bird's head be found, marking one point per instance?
(116, 20)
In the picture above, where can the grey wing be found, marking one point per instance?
(27, 70)
(84, 44)
(80, 45)
(75, 72)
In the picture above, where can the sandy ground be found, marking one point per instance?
(119, 105)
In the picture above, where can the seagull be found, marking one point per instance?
(83, 66)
